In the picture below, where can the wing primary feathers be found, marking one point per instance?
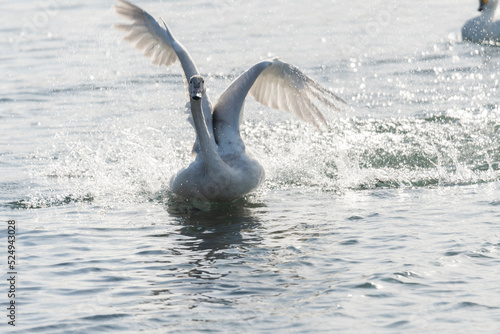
(283, 86)
(273, 82)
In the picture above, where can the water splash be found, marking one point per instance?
(129, 164)
(454, 148)
(114, 165)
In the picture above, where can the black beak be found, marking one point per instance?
(482, 5)
(197, 93)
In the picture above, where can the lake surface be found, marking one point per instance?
(386, 222)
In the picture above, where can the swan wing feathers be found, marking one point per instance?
(158, 43)
(283, 86)
(146, 34)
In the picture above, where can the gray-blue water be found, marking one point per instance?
(387, 222)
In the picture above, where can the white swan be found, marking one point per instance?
(222, 170)
(483, 29)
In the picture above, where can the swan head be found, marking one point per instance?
(196, 87)
(487, 4)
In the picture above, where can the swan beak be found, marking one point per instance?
(197, 94)
(482, 5)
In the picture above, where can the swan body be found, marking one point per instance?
(483, 29)
(223, 170)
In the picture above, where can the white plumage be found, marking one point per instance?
(223, 170)
(484, 28)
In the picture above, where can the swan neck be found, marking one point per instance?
(208, 149)
(489, 11)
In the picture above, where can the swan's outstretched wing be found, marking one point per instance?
(159, 44)
(278, 85)
(146, 34)
(156, 42)
(283, 86)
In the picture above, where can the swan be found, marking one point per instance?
(223, 170)
(483, 29)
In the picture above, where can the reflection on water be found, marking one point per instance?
(202, 263)
(215, 227)
(385, 222)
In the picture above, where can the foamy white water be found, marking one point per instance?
(385, 222)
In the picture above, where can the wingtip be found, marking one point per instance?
(323, 126)
(121, 5)
(127, 9)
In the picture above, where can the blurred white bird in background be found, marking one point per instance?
(483, 29)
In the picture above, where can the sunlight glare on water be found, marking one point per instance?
(387, 221)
